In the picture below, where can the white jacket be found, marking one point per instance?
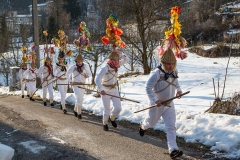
(57, 71)
(43, 73)
(153, 85)
(20, 73)
(28, 75)
(74, 76)
(108, 75)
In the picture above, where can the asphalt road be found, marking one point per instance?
(40, 132)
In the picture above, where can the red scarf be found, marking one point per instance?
(114, 64)
(49, 68)
(32, 70)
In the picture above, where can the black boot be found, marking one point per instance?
(31, 99)
(141, 131)
(79, 116)
(75, 113)
(51, 104)
(176, 153)
(28, 96)
(22, 96)
(105, 127)
(60, 106)
(45, 103)
(65, 111)
(114, 123)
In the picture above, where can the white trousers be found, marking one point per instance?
(31, 87)
(79, 93)
(23, 86)
(49, 88)
(62, 89)
(106, 103)
(169, 117)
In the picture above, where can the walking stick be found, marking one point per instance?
(164, 102)
(111, 95)
(37, 88)
(75, 84)
(54, 80)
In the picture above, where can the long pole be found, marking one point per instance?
(35, 33)
(111, 95)
(163, 102)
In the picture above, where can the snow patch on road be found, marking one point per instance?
(33, 146)
(58, 139)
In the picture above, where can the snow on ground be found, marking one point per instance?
(219, 131)
(6, 152)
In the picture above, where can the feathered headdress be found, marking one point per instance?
(172, 39)
(84, 36)
(113, 32)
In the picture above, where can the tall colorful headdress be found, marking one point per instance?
(47, 50)
(84, 36)
(172, 39)
(113, 32)
(24, 55)
(32, 57)
(61, 43)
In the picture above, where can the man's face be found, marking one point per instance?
(169, 66)
(24, 66)
(116, 60)
(48, 63)
(61, 60)
(79, 63)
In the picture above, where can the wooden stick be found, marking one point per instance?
(111, 95)
(74, 84)
(163, 102)
(37, 88)
(54, 80)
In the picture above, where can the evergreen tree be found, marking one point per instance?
(4, 35)
(52, 28)
(72, 7)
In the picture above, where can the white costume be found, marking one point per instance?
(74, 76)
(158, 88)
(59, 71)
(23, 83)
(107, 80)
(44, 73)
(30, 76)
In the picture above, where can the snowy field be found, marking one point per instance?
(219, 131)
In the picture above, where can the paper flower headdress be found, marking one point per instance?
(61, 43)
(172, 39)
(113, 32)
(84, 36)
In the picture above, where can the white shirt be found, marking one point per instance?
(29, 75)
(152, 86)
(74, 76)
(108, 75)
(43, 73)
(57, 70)
(20, 73)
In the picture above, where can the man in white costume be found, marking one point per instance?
(106, 80)
(23, 83)
(77, 75)
(45, 72)
(29, 76)
(59, 71)
(161, 86)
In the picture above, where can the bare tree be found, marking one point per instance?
(144, 21)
